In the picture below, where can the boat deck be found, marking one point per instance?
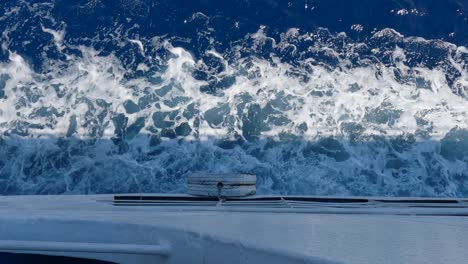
(262, 229)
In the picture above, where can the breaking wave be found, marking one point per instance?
(96, 102)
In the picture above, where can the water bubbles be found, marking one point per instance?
(357, 27)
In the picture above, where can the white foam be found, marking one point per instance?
(323, 101)
(139, 44)
(96, 77)
(57, 36)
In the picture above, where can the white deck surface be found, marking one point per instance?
(194, 235)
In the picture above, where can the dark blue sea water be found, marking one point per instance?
(327, 97)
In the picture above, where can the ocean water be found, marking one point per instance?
(315, 97)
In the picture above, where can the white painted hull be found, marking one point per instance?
(92, 227)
